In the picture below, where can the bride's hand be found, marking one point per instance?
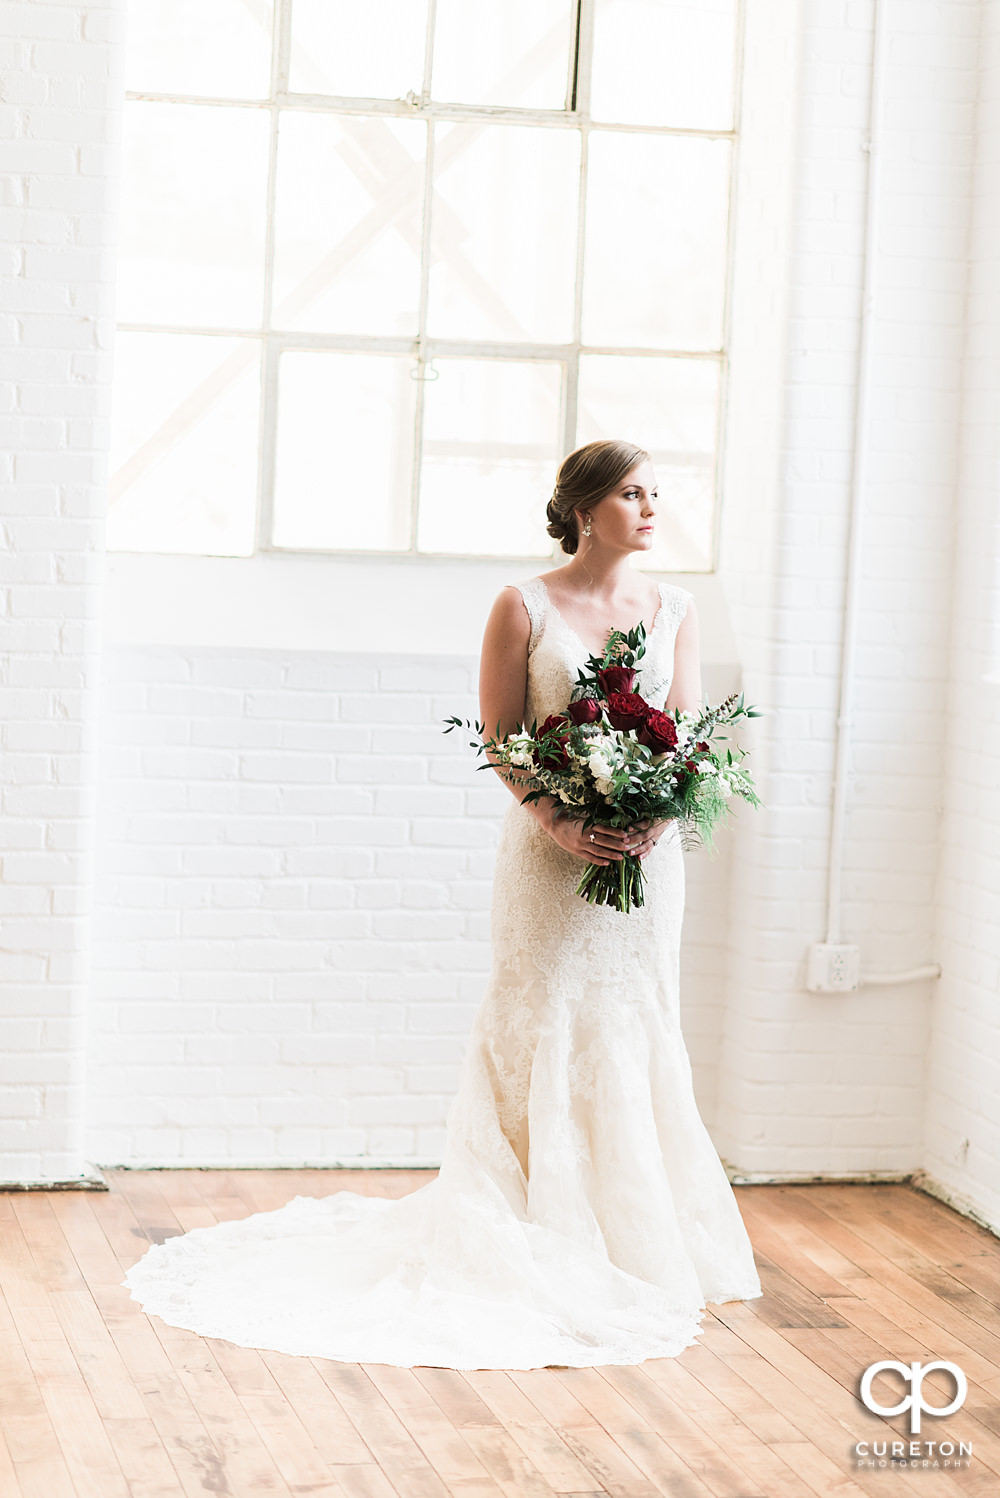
(646, 837)
(600, 845)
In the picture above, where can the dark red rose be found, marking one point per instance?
(702, 748)
(658, 732)
(587, 710)
(555, 756)
(626, 710)
(616, 679)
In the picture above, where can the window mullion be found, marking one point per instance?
(584, 59)
(426, 91)
(420, 371)
(281, 60)
(280, 41)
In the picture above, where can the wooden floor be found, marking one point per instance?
(98, 1400)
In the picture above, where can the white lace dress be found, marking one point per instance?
(581, 1215)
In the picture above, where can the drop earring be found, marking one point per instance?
(586, 528)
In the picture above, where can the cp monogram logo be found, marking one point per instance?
(914, 1374)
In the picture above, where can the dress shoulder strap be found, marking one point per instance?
(535, 597)
(674, 602)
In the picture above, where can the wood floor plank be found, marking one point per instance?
(601, 1453)
(31, 1437)
(551, 1397)
(845, 1353)
(829, 1413)
(537, 1438)
(456, 1396)
(81, 1434)
(787, 1300)
(289, 1444)
(57, 1268)
(745, 1426)
(919, 1219)
(73, 1211)
(906, 1334)
(896, 1275)
(9, 1484)
(511, 1469)
(885, 1233)
(364, 1480)
(330, 1430)
(437, 1435)
(117, 1221)
(763, 1405)
(382, 1431)
(242, 1455)
(185, 1201)
(143, 1457)
(710, 1460)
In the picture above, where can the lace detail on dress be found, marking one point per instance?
(581, 1215)
(532, 590)
(675, 603)
(656, 679)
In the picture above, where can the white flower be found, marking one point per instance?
(600, 766)
(605, 787)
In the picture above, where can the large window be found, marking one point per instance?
(383, 264)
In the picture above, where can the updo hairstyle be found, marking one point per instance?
(587, 476)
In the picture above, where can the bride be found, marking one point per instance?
(581, 1215)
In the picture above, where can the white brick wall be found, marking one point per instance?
(962, 1149)
(823, 1083)
(291, 932)
(56, 67)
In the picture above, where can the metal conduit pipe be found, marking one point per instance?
(834, 966)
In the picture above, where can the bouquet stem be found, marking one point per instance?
(616, 884)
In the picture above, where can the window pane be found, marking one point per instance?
(369, 51)
(504, 232)
(657, 214)
(184, 444)
(345, 451)
(348, 224)
(667, 406)
(193, 206)
(516, 52)
(221, 48)
(491, 449)
(664, 62)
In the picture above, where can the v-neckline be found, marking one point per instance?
(567, 626)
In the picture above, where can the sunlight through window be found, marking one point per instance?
(382, 266)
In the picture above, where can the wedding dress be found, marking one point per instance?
(581, 1215)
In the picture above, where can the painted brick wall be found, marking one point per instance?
(292, 924)
(835, 1083)
(56, 77)
(962, 1148)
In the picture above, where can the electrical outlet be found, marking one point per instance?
(833, 968)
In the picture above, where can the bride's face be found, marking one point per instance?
(624, 520)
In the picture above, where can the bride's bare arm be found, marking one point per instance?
(503, 683)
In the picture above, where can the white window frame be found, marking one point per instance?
(423, 349)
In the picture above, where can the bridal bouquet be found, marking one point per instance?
(613, 759)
